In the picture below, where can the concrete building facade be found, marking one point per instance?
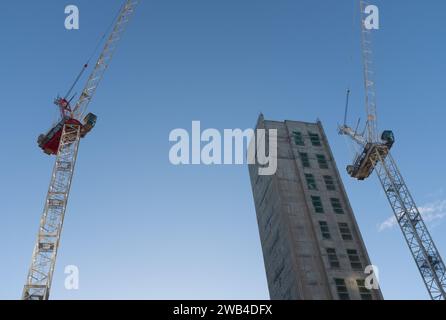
(311, 244)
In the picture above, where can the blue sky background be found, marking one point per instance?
(139, 227)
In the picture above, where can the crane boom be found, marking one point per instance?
(376, 157)
(104, 59)
(40, 274)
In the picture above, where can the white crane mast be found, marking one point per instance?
(39, 279)
(369, 78)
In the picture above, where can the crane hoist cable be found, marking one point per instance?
(94, 53)
(346, 106)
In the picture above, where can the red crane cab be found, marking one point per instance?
(49, 142)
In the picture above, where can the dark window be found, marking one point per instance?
(325, 230)
(329, 183)
(315, 140)
(323, 164)
(298, 139)
(341, 288)
(355, 262)
(345, 231)
(333, 258)
(336, 204)
(363, 291)
(305, 159)
(311, 182)
(317, 204)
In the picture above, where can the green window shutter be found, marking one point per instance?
(305, 160)
(311, 181)
(336, 205)
(329, 183)
(317, 204)
(298, 139)
(315, 139)
(323, 163)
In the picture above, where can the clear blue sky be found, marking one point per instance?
(139, 227)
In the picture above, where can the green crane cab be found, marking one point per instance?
(388, 138)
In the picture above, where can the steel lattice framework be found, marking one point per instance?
(39, 279)
(40, 274)
(417, 236)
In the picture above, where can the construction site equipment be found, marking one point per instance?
(376, 157)
(63, 141)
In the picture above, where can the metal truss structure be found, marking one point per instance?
(39, 279)
(418, 238)
(38, 282)
(379, 159)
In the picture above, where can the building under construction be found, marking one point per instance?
(312, 247)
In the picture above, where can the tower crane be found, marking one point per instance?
(376, 157)
(63, 142)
